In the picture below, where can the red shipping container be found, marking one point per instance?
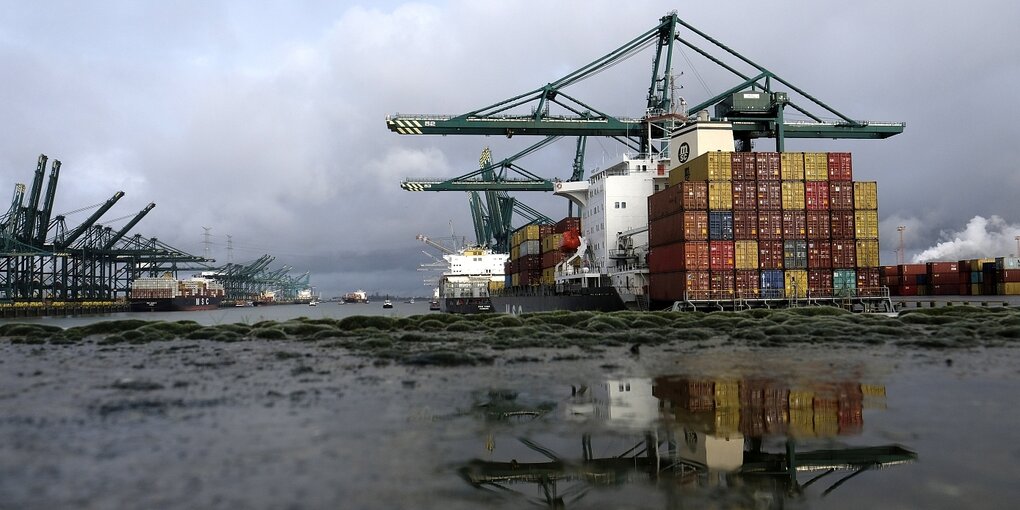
(794, 225)
(574, 223)
(911, 269)
(888, 271)
(816, 195)
(770, 225)
(819, 254)
(840, 166)
(842, 225)
(944, 290)
(745, 195)
(844, 254)
(903, 290)
(546, 230)
(818, 226)
(743, 166)
(530, 263)
(553, 257)
(722, 255)
(696, 255)
(748, 281)
(770, 254)
(942, 267)
(694, 195)
(666, 286)
(867, 278)
(1007, 276)
(767, 165)
(695, 226)
(770, 195)
(946, 279)
(666, 230)
(722, 284)
(841, 195)
(745, 225)
(666, 259)
(891, 281)
(820, 281)
(661, 204)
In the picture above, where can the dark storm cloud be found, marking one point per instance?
(264, 121)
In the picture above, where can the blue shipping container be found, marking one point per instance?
(772, 283)
(720, 225)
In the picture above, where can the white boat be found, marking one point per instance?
(387, 304)
(313, 303)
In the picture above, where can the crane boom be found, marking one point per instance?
(31, 209)
(47, 209)
(77, 232)
(134, 221)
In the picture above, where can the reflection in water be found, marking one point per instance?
(755, 440)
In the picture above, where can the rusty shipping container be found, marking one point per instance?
(818, 225)
(666, 202)
(568, 223)
(767, 165)
(747, 283)
(794, 224)
(770, 195)
(696, 256)
(722, 255)
(770, 254)
(742, 166)
(745, 195)
(770, 225)
(867, 278)
(695, 226)
(666, 230)
(551, 258)
(745, 225)
(819, 254)
(840, 166)
(843, 225)
(911, 269)
(667, 258)
(666, 286)
(841, 195)
(722, 284)
(816, 195)
(942, 267)
(844, 253)
(695, 195)
(820, 282)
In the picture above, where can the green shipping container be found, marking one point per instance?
(844, 282)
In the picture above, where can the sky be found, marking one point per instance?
(265, 120)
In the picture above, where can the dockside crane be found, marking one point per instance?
(31, 209)
(70, 238)
(47, 208)
(127, 227)
(753, 105)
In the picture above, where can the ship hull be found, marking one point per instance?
(177, 304)
(601, 299)
(466, 305)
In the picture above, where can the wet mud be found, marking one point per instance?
(561, 410)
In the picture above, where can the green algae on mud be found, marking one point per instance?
(447, 339)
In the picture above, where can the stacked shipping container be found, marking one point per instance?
(973, 277)
(536, 250)
(748, 225)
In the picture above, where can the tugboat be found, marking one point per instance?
(387, 304)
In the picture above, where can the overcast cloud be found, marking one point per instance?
(265, 120)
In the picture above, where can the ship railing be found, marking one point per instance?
(847, 297)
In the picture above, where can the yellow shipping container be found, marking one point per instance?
(867, 253)
(549, 276)
(873, 390)
(865, 195)
(826, 422)
(802, 422)
(727, 422)
(727, 394)
(494, 286)
(792, 166)
(515, 252)
(793, 195)
(816, 166)
(552, 242)
(529, 233)
(866, 224)
(975, 289)
(796, 283)
(800, 399)
(720, 196)
(746, 255)
(1009, 289)
(710, 166)
(515, 279)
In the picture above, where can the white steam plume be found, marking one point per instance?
(981, 238)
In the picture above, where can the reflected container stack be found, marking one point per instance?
(773, 225)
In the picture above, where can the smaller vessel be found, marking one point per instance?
(387, 304)
(313, 303)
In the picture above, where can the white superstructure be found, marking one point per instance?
(471, 272)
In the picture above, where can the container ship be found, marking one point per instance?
(474, 274)
(166, 293)
(706, 227)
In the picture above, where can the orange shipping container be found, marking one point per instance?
(745, 195)
(696, 256)
(694, 195)
(770, 196)
(770, 225)
(742, 165)
(745, 225)
(767, 165)
(695, 226)
(794, 225)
